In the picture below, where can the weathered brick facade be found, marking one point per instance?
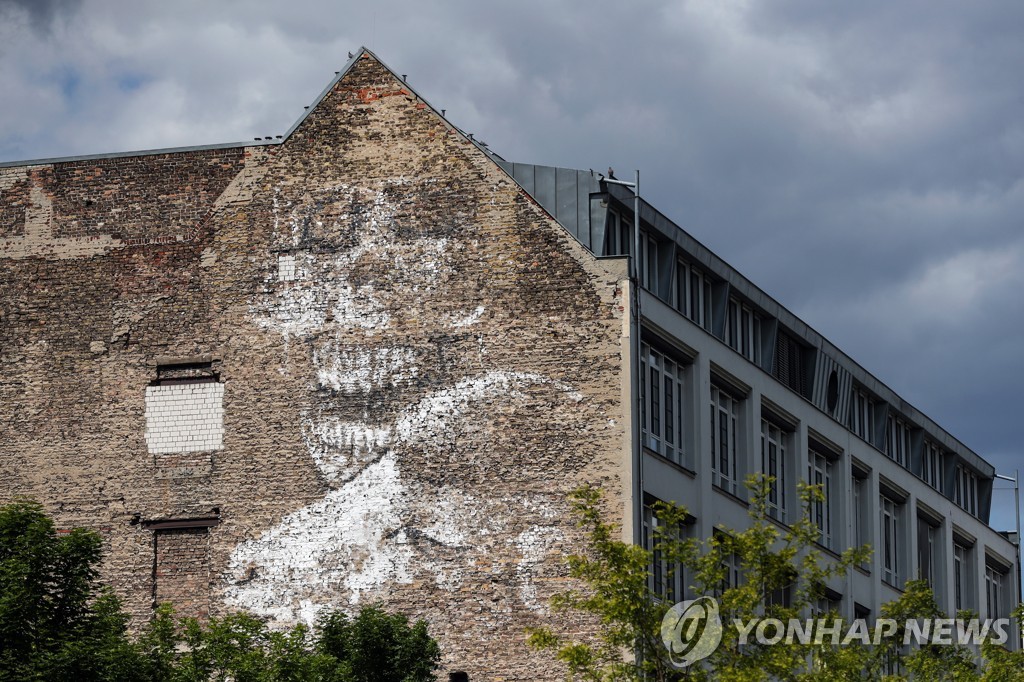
(416, 365)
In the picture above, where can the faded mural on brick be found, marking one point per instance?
(383, 415)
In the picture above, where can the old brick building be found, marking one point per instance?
(356, 364)
(365, 362)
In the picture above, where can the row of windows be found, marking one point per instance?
(664, 418)
(667, 579)
(742, 331)
(898, 447)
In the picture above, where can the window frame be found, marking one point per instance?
(861, 417)
(965, 490)
(932, 460)
(780, 486)
(820, 471)
(890, 513)
(725, 465)
(743, 330)
(667, 412)
(898, 439)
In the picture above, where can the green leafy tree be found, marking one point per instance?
(615, 590)
(378, 647)
(56, 622)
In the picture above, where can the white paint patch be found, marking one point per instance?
(533, 546)
(434, 415)
(375, 528)
(357, 369)
(339, 448)
(469, 319)
(335, 546)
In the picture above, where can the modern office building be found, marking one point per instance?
(732, 383)
(367, 360)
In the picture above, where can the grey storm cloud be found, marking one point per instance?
(861, 162)
(40, 13)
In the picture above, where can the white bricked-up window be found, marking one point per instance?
(184, 410)
(285, 267)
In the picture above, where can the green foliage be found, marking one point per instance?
(615, 591)
(378, 647)
(55, 621)
(57, 624)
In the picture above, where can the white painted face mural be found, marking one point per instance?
(380, 418)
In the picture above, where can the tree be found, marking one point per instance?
(616, 591)
(57, 623)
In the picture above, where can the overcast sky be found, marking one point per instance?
(861, 162)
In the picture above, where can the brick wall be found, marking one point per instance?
(181, 570)
(417, 366)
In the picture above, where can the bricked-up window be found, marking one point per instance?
(184, 408)
(181, 564)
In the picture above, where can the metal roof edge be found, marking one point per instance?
(140, 152)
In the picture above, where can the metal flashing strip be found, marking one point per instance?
(178, 524)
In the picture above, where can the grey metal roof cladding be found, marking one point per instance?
(237, 145)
